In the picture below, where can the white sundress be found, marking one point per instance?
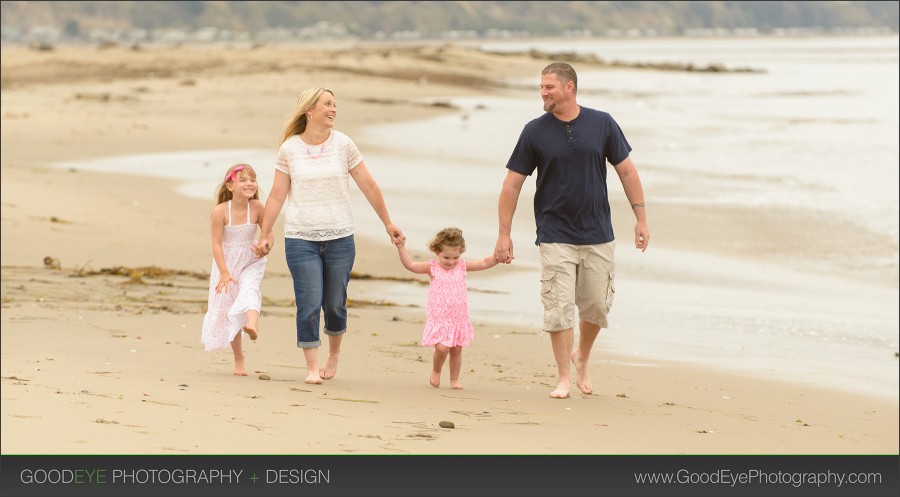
(225, 315)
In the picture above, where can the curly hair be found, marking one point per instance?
(451, 237)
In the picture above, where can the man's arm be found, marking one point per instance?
(506, 207)
(634, 191)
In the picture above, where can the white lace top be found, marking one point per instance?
(318, 203)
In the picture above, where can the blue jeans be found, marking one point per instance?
(321, 272)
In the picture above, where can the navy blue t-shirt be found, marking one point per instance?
(571, 204)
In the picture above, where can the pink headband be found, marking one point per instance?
(233, 172)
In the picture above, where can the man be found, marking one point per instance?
(569, 146)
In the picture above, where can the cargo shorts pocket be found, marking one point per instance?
(610, 291)
(549, 288)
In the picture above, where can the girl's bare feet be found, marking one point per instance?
(435, 379)
(239, 369)
(455, 384)
(251, 332)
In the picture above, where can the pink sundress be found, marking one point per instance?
(447, 315)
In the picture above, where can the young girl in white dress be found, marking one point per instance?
(234, 296)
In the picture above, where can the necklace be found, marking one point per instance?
(310, 151)
(310, 154)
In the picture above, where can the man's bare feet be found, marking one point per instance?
(313, 378)
(239, 369)
(455, 384)
(582, 378)
(562, 390)
(435, 379)
(251, 332)
(330, 369)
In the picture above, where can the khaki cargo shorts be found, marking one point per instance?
(581, 276)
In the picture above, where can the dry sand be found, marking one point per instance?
(100, 356)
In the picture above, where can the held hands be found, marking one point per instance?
(263, 246)
(503, 251)
(396, 234)
(224, 280)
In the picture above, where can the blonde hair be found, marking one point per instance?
(297, 123)
(223, 194)
(451, 237)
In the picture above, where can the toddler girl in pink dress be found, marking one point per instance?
(447, 327)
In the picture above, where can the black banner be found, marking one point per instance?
(445, 475)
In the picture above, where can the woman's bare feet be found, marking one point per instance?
(455, 384)
(313, 378)
(562, 390)
(330, 369)
(435, 379)
(239, 368)
(251, 332)
(582, 378)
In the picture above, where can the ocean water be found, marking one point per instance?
(817, 129)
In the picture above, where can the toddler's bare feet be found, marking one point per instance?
(561, 391)
(251, 332)
(330, 369)
(239, 369)
(435, 379)
(582, 378)
(313, 378)
(455, 384)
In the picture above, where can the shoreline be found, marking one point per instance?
(104, 377)
(484, 288)
(77, 363)
(706, 275)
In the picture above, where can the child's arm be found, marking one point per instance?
(486, 263)
(217, 227)
(415, 267)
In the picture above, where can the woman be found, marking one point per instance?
(311, 171)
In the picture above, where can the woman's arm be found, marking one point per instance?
(280, 187)
(372, 191)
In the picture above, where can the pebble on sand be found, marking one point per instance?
(446, 424)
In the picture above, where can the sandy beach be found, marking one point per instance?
(104, 287)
